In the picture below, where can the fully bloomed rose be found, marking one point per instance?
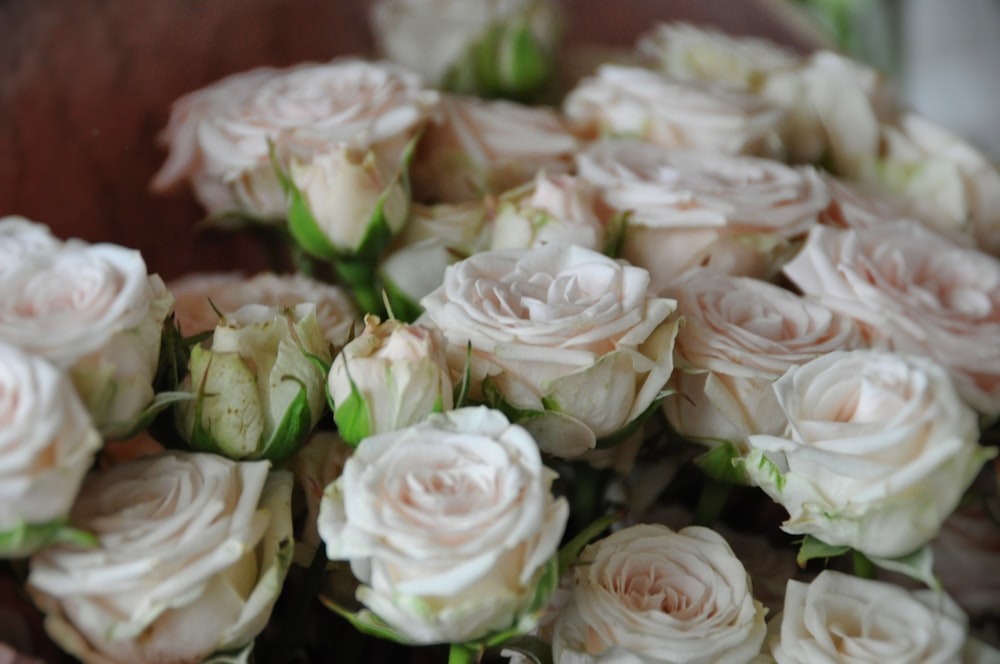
(878, 452)
(448, 524)
(21, 237)
(739, 336)
(740, 215)
(219, 136)
(649, 594)
(93, 310)
(640, 103)
(688, 52)
(198, 298)
(916, 292)
(192, 550)
(556, 330)
(47, 443)
(842, 618)
(476, 147)
(398, 371)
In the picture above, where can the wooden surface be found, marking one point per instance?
(86, 85)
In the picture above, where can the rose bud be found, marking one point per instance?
(391, 376)
(259, 391)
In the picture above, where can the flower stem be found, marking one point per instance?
(459, 653)
(863, 567)
(711, 501)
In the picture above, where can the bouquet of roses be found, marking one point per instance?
(694, 358)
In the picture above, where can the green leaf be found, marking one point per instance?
(812, 548)
(917, 565)
(352, 416)
(294, 428)
(570, 551)
(722, 463)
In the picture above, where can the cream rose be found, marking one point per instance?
(47, 443)
(740, 215)
(398, 372)
(739, 336)
(21, 237)
(649, 594)
(448, 524)
(198, 296)
(218, 136)
(555, 330)
(637, 102)
(557, 209)
(192, 551)
(475, 147)
(878, 452)
(915, 291)
(92, 310)
(842, 618)
(688, 52)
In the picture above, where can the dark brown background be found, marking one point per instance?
(85, 86)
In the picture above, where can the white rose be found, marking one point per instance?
(636, 102)
(739, 336)
(557, 329)
(878, 452)
(398, 370)
(92, 310)
(938, 171)
(218, 136)
(436, 38)
(198, 296)
(448, 524)
(841, 618)
(835, 105)
(47, 443)
(740, 215)
(559, 209)
(476, 147)
(258, 393)
(688, 52)
(21, 237)
(192, 552)
(916, 292)
(649, 594)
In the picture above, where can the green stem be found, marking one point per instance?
(711, 501)
(863, 567)
(459, 653)
(359, 276)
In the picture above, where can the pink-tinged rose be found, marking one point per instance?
(218, 136)
(198, 296)
(739, 336)
(939, 172)
(47, 443)
(878, 451)
(191, 553)
(739, 215)
(641, 103)
(843, 618)
(557, 329)
(835, 106)
(916, 292)
(94, 311)
(400, 373)
(448, 524)
(558, 209)
(688, 52)
(21, 237)
(476, 147)
(649, 594)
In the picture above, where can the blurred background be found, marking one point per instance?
(86, 85)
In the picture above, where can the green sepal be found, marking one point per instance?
(722, 463)
(630, 428)
(570, 551)
(301, 223)
(399, 304)
(366, 622)
(494, 399)
(25, 538)
(144, 418)
(352, 417)
(241, 656)
(614, 239)
(918, 565)
(811, 548)
(524, 66)
(462, 389)
(201, 438)
(292, 431)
